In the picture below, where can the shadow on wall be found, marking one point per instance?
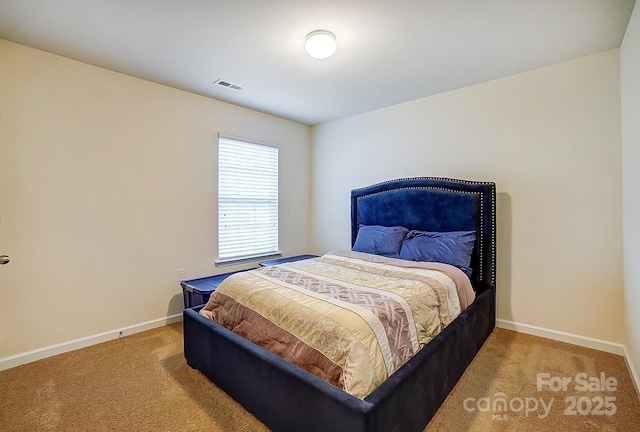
(504, 229)
(176, 305)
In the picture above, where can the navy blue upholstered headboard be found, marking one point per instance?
(435, 204)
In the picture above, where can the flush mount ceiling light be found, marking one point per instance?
(320, 44)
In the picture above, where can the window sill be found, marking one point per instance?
(247, 259)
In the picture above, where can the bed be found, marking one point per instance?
(287, 398)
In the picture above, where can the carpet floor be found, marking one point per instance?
(142, 383)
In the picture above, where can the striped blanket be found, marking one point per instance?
(349, 318)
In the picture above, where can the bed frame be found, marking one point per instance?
(288, 399)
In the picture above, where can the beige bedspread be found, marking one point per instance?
(347, 317)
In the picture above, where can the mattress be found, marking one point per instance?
(349, 318)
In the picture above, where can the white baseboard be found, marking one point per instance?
(632, 371)
(41, 353)
(587, 342)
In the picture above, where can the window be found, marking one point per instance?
(247, 200)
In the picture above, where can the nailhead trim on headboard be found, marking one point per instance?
(492, 196)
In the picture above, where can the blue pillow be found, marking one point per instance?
(453, 247)
(380, 240)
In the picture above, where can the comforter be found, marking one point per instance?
(349, 318)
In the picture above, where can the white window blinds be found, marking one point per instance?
(247, 200)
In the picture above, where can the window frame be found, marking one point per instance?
(248, 197)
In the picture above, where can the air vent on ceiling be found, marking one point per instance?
(227, 84)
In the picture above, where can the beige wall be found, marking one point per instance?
(108, 186)
(550, 139)
(630, 73)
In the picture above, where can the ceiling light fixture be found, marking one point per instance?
(320, 44)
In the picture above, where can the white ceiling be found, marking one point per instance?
(389, 51)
